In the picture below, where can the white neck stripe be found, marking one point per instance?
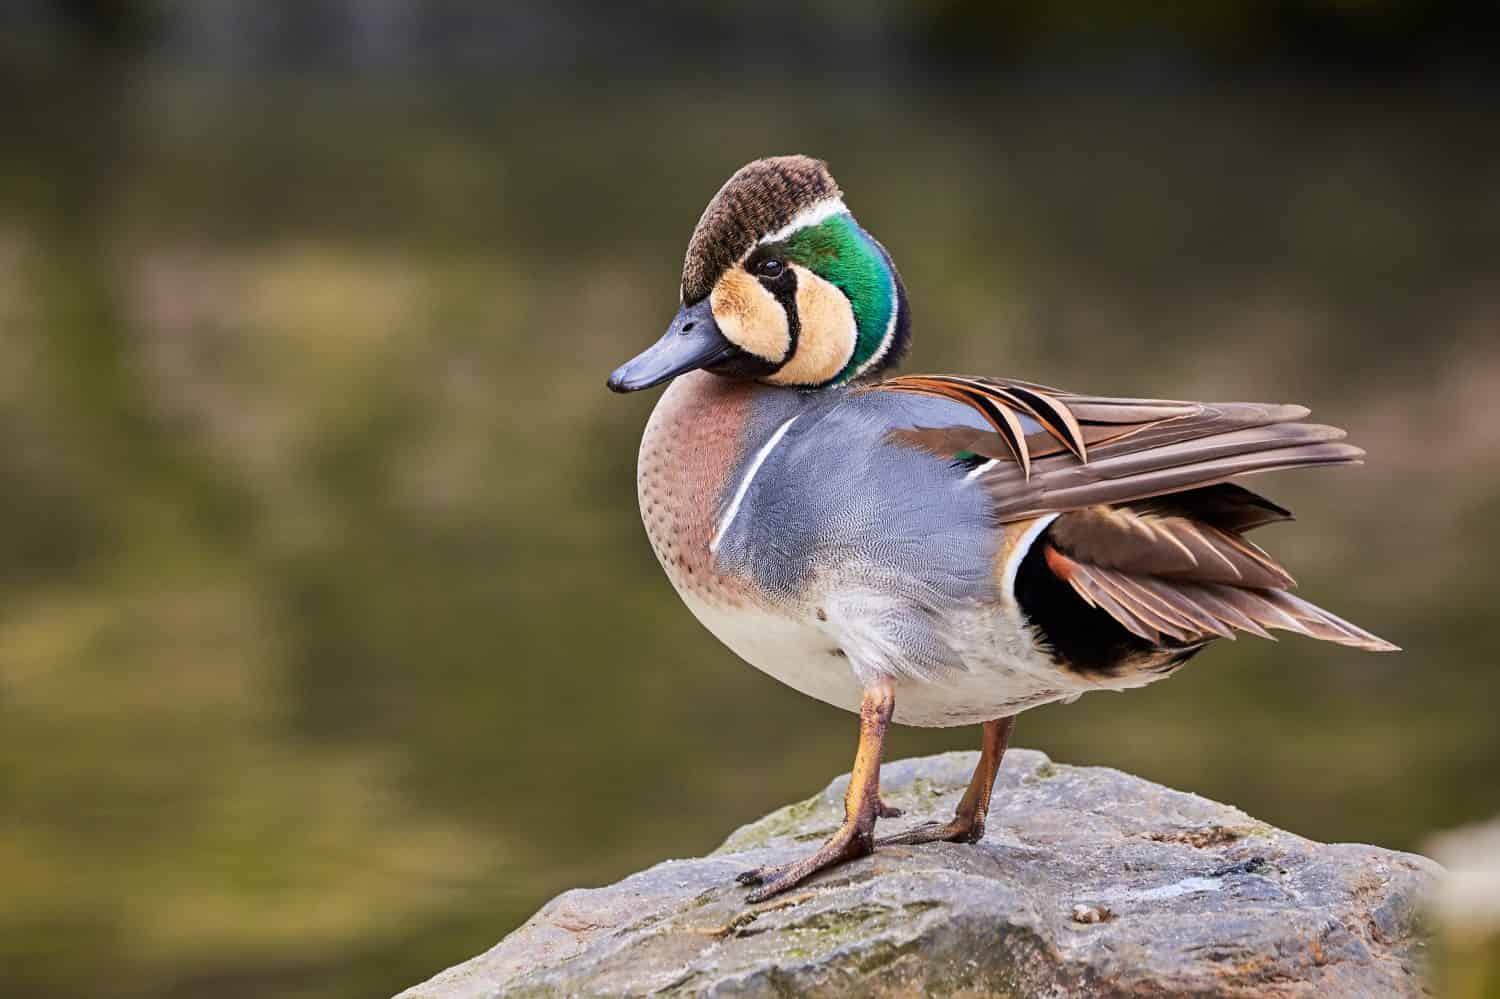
(890, 334)
(739, 494)
(890, 325)
(809, 216)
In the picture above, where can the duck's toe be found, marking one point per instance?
(959, 830)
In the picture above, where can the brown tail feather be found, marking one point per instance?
(1071, 487)
(1166, 546)
(1227, 506)
(1184, 611)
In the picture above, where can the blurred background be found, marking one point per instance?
(330, 642)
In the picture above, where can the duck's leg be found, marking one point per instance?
(967, 824)
(862, 804)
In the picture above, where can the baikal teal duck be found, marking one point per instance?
(933, 550)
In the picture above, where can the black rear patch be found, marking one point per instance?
(1086, 639)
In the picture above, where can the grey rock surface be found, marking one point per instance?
(1089, 882)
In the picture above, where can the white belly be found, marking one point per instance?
(1003, 672)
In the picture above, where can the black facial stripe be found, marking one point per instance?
(742, 363)
(784, 288)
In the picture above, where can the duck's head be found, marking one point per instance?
(780, 285)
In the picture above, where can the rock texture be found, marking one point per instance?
(1089, 882)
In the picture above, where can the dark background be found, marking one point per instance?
(330, 643)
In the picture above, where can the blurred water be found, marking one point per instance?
(330, 644)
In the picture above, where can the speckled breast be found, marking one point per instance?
(691, 447)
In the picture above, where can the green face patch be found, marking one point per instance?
(844, 255)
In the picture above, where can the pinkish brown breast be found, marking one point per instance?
(690, 449)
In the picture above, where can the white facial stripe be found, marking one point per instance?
(809, 216)
(739, 494)
(1018, 554)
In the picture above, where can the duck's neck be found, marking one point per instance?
(882, 316)
(848, 257)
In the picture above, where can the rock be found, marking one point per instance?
(1088, 882)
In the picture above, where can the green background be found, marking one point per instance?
(330, 642)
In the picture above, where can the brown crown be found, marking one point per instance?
(760, 198)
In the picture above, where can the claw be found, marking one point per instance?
(862, 805)
(762, 875)
(848, 843)
(766, 891)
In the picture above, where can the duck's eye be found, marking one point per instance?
(770, 267)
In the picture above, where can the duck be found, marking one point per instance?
(933, 550)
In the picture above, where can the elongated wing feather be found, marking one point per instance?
(1171, 547)
(1181, 611)
(1226, 506)
(1113, 450)
(1149, 527)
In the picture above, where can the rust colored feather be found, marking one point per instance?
(1035, 401)
(999, 402)
(1055, 418)
(999, 415)
(1094, 595)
